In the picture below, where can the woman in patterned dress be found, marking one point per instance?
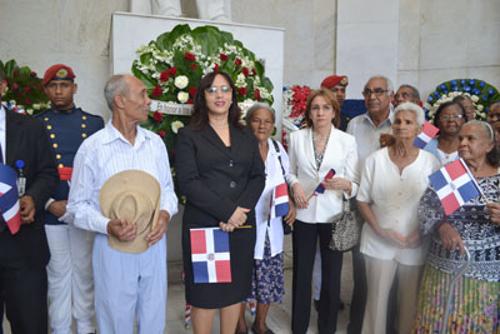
(475, 303)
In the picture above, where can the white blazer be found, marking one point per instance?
(341, 155)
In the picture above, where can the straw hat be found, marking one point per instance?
(134, 196)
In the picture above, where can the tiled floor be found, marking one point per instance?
(279, 315)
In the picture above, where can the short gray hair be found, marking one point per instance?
(414, 90)
(410, 106)
(256, 106)
(388, 82)
(116, 85)
(486, 127)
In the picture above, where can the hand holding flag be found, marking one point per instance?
(454, 184)
(320, 189)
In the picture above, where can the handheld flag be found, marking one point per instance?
(429, 131)
(210, 255)
(9, 199)
(279, 207)
(454, 185)
(320, 189)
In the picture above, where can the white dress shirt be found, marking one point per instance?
(340, 154)
(393, 198)
(106, 153)
(274, 177)
(367, 134)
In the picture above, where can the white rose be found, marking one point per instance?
(176, 125)
(475, 98)
(181, 82)
(182, 97)
(480, 107)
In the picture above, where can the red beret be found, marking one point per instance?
(334, 80)
(58, 72)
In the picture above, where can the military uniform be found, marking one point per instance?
(71, 289)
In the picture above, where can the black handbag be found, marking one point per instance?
(287, 229)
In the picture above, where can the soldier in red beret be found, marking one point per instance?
(338, 85)
(69, 272)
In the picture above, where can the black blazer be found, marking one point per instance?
(216, 179)
(27, 140)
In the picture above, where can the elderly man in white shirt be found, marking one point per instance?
(126, 284)
(367, 128)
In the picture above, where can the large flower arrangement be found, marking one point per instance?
(172, 66)
(294, 108)
(480, 92)
(24, 89)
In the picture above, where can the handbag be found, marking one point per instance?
(287, 229)
(346, 228)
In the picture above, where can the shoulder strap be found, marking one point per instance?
(277, 148)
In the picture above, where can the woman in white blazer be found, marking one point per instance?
(314, 151)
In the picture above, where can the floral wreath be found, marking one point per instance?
(480, 92)
(24, 92)
(294, 109)
(172, 66)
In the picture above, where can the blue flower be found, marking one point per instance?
(453, 82)
(472, 82)
(462, 82)
(484, 98)
(442, 86)
(467, 88)
(436, 95)
(491, 91)
(429, 99)
(482, 84)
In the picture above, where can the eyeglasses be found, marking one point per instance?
(450, 117)
(214, 89)
(377, 91)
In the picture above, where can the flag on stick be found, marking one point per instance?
(455, 185)
(429, 131)
(210, 255)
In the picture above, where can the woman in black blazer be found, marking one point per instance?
(220, 172)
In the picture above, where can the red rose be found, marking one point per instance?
(172, 71)
(165, 75)
(237, 62)
(256, 94)
(27, 101)
(194, 66)
(15, 86)
(254, 72)
(27, 89)
(246, 71)
(157, 116)
(189, 101)
(162, 133)
(157, 91)
(223, 57)
(242, 91)
(189, 56)
(216, 68)
(192, 91)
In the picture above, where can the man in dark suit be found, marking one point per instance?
(23, 256)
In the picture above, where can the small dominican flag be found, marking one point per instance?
(9, 199)
(320, 189)
(280, 206)
(454, 185)
(210, 255)
(429, 131)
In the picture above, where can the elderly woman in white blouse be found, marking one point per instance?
(314, 151)
(268, 282)
(394, 178)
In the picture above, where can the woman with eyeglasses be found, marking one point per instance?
(449, 118)
(220, 171)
